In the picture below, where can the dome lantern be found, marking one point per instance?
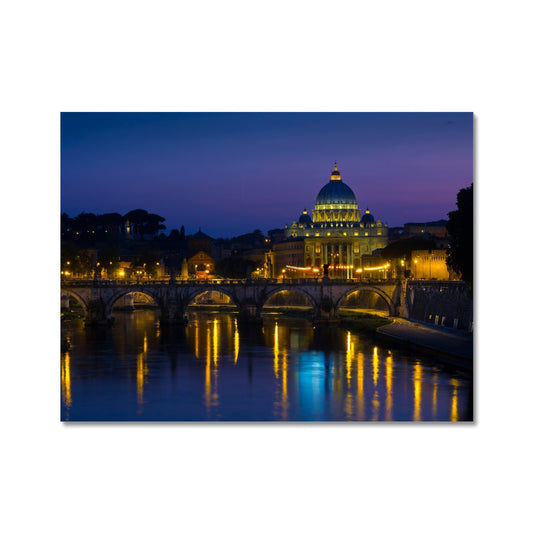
(335, 175)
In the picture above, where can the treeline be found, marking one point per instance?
(90, 228)
(91, 244)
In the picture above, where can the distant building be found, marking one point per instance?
(201, 265)
(286, 259)
(336, 235)
(200, 242)
(430, 264)
(435, 229)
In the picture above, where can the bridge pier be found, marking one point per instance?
(65, 301)
(96, 315)
(173, 314)
(250, 314)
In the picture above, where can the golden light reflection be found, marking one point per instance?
(360, 386)
(142, 370)
(276, 351)
(417, 383)
(65, 380)
(349, 357)
(210, 396)
(375, 365)
(216, 341)
(375, 375)
(454, 413)
(284, 388)
(348, 405)
(236, 343)
(434, 398)
(388, 384)
(208, 371)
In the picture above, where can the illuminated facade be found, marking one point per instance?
(336, 235)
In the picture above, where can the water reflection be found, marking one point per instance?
(218, 369)
(142, 371)
(65, 381)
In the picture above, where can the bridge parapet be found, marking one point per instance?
(325, 295)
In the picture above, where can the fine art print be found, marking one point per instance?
(267, 267)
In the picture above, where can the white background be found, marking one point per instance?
(275, 56)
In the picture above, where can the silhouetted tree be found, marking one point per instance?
(66, 226)
(149, 259)
(460, 226)
(109, 258)
(153, 224)
(144, 223)
(109, 225)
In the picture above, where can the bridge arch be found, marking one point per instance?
(195, 293)
(130, 290)
(284, 288)
(370, 288)
(83, 303)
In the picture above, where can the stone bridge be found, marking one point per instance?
(97, 297)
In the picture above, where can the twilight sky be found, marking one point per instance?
(231, 173)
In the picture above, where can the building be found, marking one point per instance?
(434, 229)
(333, 240)
(430, 264)
(200, 242)
(201, 266)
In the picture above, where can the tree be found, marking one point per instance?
(153, 224)
(137, 218)
(109, 225)
(109, 258)
(149, 260)
(460, 226)
(144, 223)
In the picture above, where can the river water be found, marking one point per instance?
(216, 369)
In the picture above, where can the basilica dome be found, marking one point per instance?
(305, 219)
(336, 205)
(335, 192)
(367, 219)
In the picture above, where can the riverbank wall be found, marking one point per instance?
(451, 346)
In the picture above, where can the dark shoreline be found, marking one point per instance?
(454, 347)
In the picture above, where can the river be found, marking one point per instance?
(216, 369)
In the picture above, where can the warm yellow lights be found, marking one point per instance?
(65, 380)
(236, 344)
(381, 267)
(276, 351)
(454, 413)
(417, 393)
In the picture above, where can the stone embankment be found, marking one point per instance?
(454, 346)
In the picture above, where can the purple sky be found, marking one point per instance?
(231, 173)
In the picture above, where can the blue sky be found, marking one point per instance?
(230, 173)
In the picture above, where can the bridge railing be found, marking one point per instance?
(224, 282)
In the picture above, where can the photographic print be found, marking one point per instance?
(267, 267)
